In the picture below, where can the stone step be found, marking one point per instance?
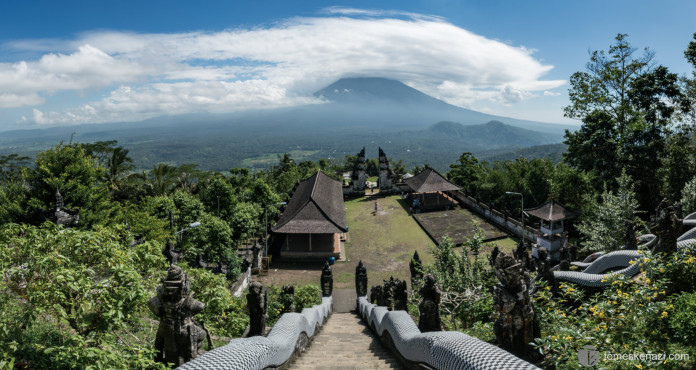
(344, 342)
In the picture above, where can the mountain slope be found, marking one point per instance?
(494, 132)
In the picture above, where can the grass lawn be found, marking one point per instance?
(384, 242)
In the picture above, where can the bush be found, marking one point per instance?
(683, 321)
(67, 294)
(224, 314)
(307, 296)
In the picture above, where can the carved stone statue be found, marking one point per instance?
(494, 255)
(376, 293)
(400, 296)
(60, 214)
(521, 254)
(516, 326)
(388, 293)
(257, 304)
(630, 241)
(326, 280)
(172, 255)
(429, 308)
(255, 262)
(544, 268)
(179, 337)
(361, 280)
(287, 296)
(416, 267)
(668, 227)
(137, 240)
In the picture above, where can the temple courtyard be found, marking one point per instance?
(385, 241)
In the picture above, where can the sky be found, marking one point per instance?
(88, 61)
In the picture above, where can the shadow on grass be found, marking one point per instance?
(297, 265)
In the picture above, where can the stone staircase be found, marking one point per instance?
(346, 343)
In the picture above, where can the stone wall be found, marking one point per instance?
(242, 283)
(496, 217)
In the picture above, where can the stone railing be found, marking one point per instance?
(434, 350)
(593, 275)
(289, 336)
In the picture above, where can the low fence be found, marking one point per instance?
(434, 350)
(496, 217)
(289, 336)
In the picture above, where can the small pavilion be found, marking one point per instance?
(431, 190)
(551, 215)
(314, 222)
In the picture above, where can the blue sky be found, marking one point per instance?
(74, 62)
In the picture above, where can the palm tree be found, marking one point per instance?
(162, 178)
(117, 165)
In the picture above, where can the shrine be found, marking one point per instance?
(551, 228)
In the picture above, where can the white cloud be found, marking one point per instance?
(551, 93)
(20, 100)
(280, 65)
(511, 95)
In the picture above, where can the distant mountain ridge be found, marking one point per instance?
(358, 112)
(493, 131)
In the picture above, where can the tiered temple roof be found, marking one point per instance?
(429, 181)
(552, 211)
(316, 207)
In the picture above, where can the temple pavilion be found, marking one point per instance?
(431, 190)
(551, 215)
(314, 222)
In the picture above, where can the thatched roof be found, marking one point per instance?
(552, 211)
(429, 181)
(315, 207)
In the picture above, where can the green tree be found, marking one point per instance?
(602, 227)
(372, 166)
(464, 278)
(606, 85)
(399, 166)
(213, 239)
(118, 164)
(466, 172)
(627, 106)
(162, 178)
(218, 196)
(78, 177)
(189, 208)
(246, 220)
(688, 199)
(689, 84)
(570, 186)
